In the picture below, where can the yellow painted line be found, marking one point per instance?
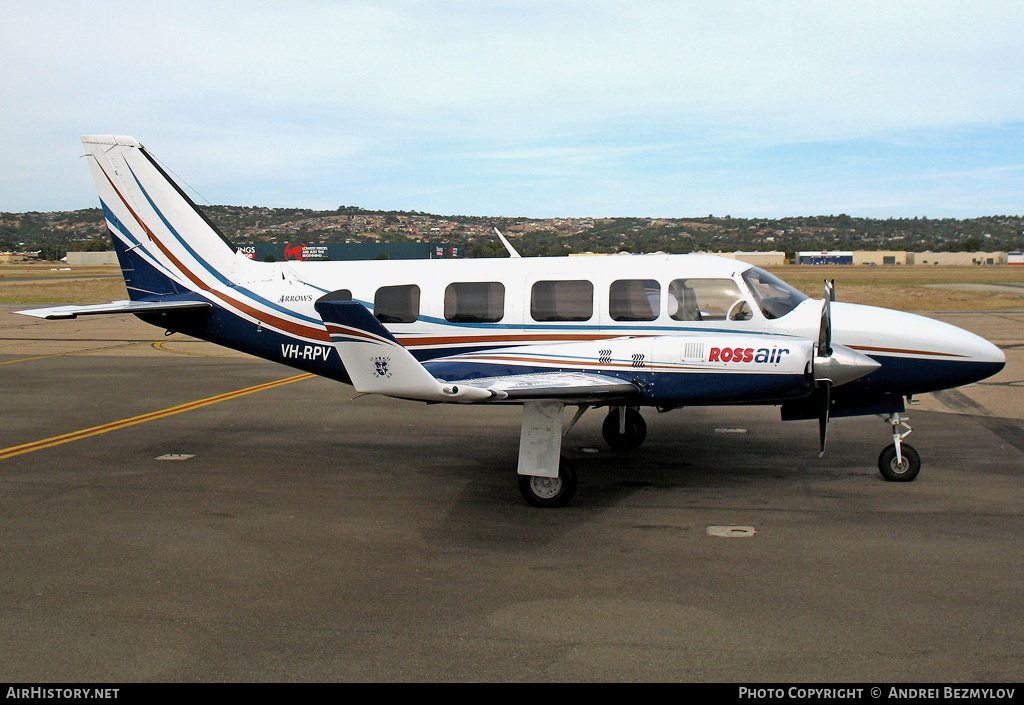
(123, 423)
(75, 352)
(161, 346)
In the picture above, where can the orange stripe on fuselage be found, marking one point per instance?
(899, 351)
(411, 341)
(572, 363)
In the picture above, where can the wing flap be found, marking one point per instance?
(114, 307)
(556, 386)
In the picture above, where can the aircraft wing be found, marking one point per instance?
(555, 386)
(61, 312)
(378, 364)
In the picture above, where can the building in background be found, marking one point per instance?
(758, 259)
(960, 259)
(89, 259)
(880, 257)
(808, 257)
(336, 251)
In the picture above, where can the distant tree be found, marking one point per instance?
(970, 244)
(51, 252)
(95, 245)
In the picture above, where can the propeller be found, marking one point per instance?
(824, 351)
(825, 398)
(833, 364)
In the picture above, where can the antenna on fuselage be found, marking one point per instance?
(508, 245)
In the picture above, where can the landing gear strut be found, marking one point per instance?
(899, 462)
(624, 428)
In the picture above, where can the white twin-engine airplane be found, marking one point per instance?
(662, 331)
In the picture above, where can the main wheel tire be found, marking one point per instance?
(899, 472)
(549, 492)
(636, 430)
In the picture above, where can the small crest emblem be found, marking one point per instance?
(382, 366)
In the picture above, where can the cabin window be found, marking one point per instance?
(707, 300)
(474, 302)
(397, 304)
(562, 301)
(634, 300)
(337, 295)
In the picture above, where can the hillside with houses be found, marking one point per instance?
(53, 234)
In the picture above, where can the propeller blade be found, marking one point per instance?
(825, 396)
(825, 330)
(825, 351)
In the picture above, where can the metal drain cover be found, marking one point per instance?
(731, 532)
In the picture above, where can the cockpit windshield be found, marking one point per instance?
(775, 297)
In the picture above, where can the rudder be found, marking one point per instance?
(165, 244)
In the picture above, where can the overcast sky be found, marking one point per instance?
(522, 108)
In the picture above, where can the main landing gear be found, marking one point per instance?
(624, 428)
(542, 482)
(899, 462)
(550, 492)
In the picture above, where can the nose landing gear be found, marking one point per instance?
(899, 462)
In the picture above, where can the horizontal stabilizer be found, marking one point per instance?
(379, 364)
(59, 312)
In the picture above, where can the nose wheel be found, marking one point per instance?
(903, 469)
(899, 462)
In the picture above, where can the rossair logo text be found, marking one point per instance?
(747, 355)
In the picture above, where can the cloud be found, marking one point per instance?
(324, 102)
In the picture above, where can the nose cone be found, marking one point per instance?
(982, 358)
(843, 366)
(916, 354)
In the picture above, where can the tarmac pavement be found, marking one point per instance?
(312, 535)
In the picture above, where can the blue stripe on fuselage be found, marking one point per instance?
(915, 375)
(656, 387)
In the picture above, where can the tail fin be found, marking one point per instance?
(164, 243)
